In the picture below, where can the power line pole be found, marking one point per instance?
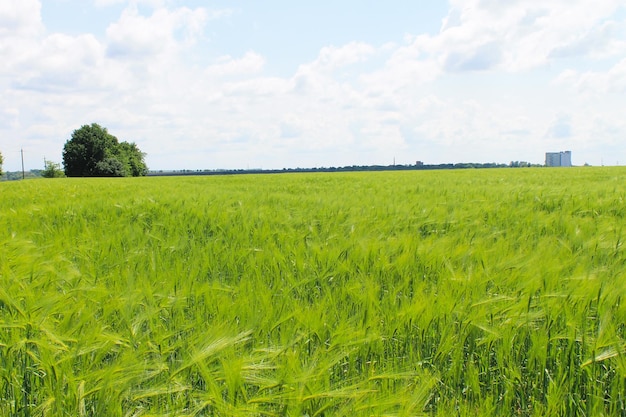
(23, 172)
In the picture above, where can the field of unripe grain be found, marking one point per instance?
(468, 292)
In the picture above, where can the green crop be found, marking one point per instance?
(476, 292)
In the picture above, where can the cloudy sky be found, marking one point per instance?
(283, 83)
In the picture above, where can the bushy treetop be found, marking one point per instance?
(94, 152)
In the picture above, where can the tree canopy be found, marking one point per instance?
(1, 161)
(94, 152)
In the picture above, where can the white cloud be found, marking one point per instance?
(600, 42)
(250, 63)
(20, 28)
(520, 35)
(60, 61)
(332, 57)
(561, 128)
(136, 36)
(511, 36)
(105, 3)
(20, 18)
(132, 3)
(594, 83)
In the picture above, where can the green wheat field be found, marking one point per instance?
(443, 293)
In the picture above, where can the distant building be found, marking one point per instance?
(559, 159)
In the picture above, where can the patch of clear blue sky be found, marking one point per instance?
(286, 32)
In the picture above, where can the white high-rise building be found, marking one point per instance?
(559, 159)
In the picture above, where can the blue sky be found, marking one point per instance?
(273, 84)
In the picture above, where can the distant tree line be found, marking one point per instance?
(352, 168)
(94, 152)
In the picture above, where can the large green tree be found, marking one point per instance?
(94, 152)
(1, 161)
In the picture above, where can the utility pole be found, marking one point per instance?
(23, 173)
